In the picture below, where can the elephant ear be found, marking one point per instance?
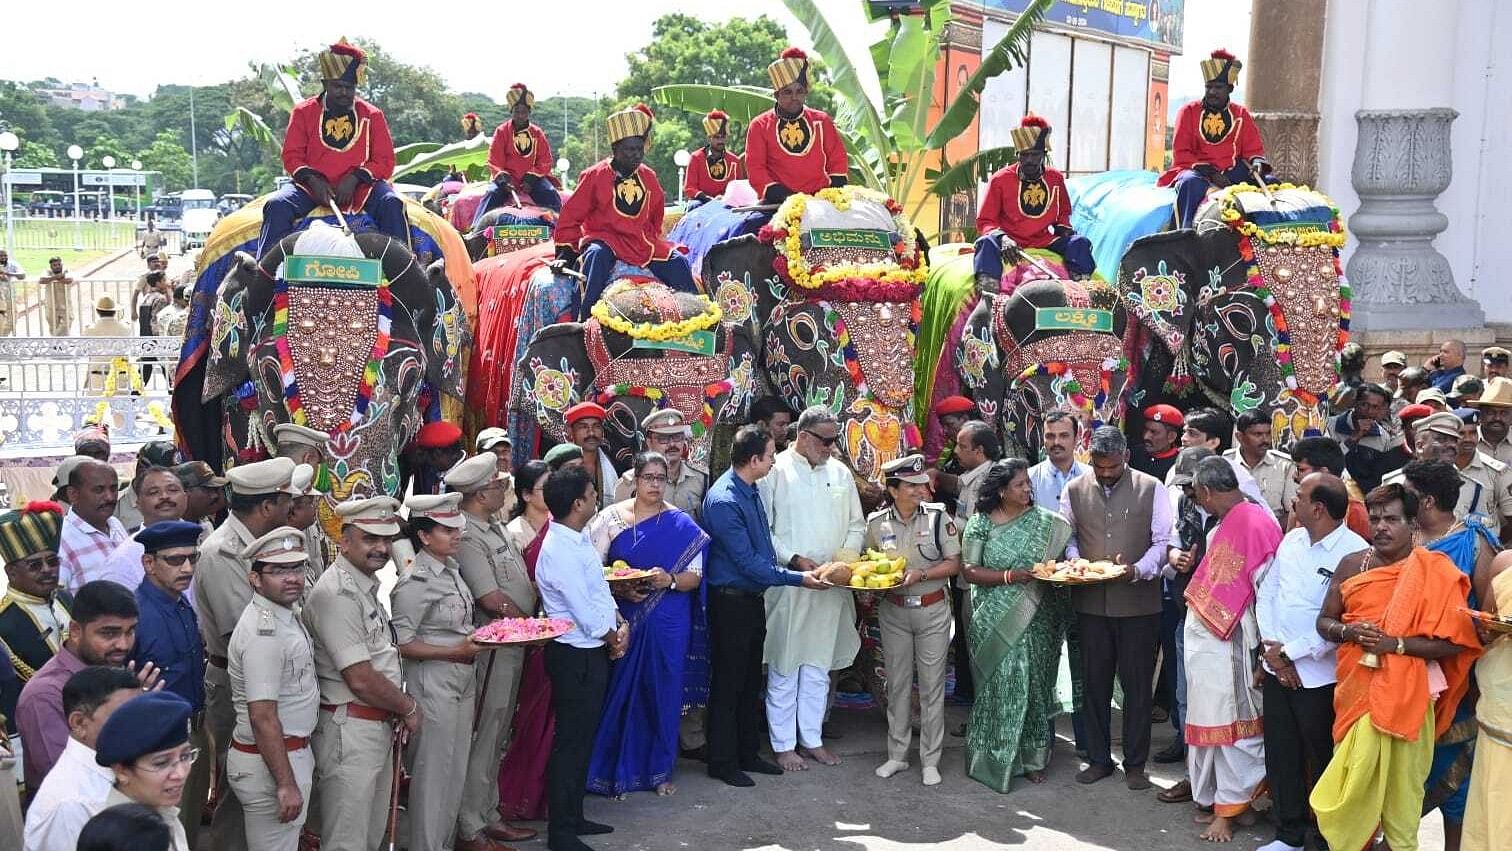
(241, 303)
(738, 273)
(746, 378)
(979, 360)
(553, 375)
(1160, 280)
(448, 338)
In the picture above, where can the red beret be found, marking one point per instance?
(954, 405)
(585, 410)
(1414, 412)
(437, 435)
(1165, 414)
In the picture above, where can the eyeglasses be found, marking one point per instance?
(283, 570)
(669, 439)
(163, 764)
(653, 478)
(827, 441)
(178, 559)
(36, 563)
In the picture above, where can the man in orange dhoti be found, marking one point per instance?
(1405, 652)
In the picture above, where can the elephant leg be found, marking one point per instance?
(1076, 251)
(674, 272)
(287, 206)
(387, 209)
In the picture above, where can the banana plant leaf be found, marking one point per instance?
(404, 153)
(457, 154)
(742, 103)
(252, 124)
(282, 84)
(1011, 51)
(970, 171)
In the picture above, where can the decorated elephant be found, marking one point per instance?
(645, 346)
(831, 287)
(506, 229)
(345, 334)
(1248, 310)
(1051, 345)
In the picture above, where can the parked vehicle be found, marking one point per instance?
(198, 217)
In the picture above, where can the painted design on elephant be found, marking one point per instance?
(1158, 299)
(230, 326)
(1292, 416)
(977, 356)
(447, 336)
(734, 298)
(873, 437)
(1245, 396)
(550, 391)
(742, 386)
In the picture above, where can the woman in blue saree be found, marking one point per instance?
(650, 687)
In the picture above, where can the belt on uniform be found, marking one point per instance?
(729, 591)
(291, 743)
(359, 710)
(219, 661)
(917, 602)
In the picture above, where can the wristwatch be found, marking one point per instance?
(1401, 647)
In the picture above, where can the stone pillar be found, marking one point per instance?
(1402, 162)
(1282, 69)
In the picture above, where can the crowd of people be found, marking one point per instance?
(199, 651)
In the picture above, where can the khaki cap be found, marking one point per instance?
(1442, 422)
(284, 545)
(445, 509)
(285, 434)
(1431, 394)
(1495, 354)
(376, 515)
(1498, 394)
(105, 304)
(261, 477)
(907, 469)
(1394, 358)
(66, 468)
(665, 421)
(473, 474)
(488, 438)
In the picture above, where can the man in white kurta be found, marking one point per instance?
(815, 513)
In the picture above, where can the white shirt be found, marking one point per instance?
(814, 512)
(84, 550)
(73, 792)
(125, 565)
(1049, 482)
(1291, 594)
(571, 580)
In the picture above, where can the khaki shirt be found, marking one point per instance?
(348, 626)
(969, 483)
(489, 561)
(1501, 451)
(431, 603)
(271, 659)
(686, 493)
(928, 538)
(1275, 474)
(221, 587)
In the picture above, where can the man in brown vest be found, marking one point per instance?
(1119, 514)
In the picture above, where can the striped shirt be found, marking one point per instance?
(85, 550)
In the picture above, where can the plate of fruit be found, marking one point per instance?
(1502, 624)
(619, 571)
(507, 631)
(1078, 571)
(874, 571)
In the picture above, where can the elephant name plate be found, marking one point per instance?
(873, 240)
(1073, 319)
(698, 343)
(347, 271)
(511, 237)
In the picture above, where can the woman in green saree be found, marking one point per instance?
(1017, 626)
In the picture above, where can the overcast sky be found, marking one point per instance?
(132, 47)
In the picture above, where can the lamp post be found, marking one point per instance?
(76, 153)
(562, 166)
(109, 162)
(9, 142)
(681, 158)
(136, 187)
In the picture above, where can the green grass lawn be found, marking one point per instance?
(34, 260)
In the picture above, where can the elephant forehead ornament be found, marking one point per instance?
(850, 277)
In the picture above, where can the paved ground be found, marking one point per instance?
(847, 808)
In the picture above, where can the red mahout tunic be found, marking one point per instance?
(624, 213)
(710, 176)
(1220, 139)
(519, 153)
(334, 145)
(1025, 210)
(801, 153)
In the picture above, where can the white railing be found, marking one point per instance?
(53, 386)
(30, 307)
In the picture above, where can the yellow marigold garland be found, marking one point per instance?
(1333, 238)
(664, 331)
(789, 219)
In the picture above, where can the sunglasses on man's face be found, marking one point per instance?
(32, 565)
(827, 441)
(178, 559)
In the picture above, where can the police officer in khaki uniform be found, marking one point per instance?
(494, 571)
(272, 670)
(1273, 471)
(433, 623)
(300, 444)
(495, 441)
(361, 687)
(666, 431)
(1484, 481)
(915, 618)
(259, 504)
(1494, 500)
(303, 511)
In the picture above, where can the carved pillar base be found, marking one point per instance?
(1399, 280)
(1291, 144)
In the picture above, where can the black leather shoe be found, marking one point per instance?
(1093, 773)
(732, 777)
(1174, 752)
(592, 828)
(761, 766)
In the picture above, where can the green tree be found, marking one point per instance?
(35, 155)
(166, 154)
